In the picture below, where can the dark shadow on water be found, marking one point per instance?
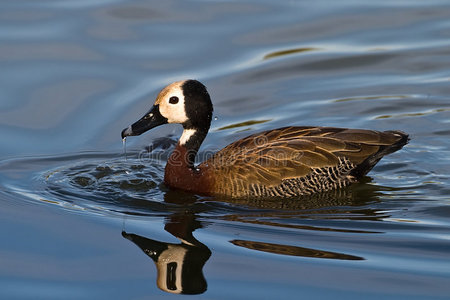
(293, 250)
(282, 53)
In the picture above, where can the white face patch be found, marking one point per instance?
(187, 133)
(174, 113)
(175, 254)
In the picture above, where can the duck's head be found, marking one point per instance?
(184, 102)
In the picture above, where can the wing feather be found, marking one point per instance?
(269, 157)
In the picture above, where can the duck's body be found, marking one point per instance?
(284, 162)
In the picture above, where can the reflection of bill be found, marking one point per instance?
(179, 266)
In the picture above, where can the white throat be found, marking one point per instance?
(187, 134)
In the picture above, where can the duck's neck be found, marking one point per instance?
(180, 171)
(187, 147)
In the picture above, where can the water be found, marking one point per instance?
(79, 221)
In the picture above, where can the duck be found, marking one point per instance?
(286, 162)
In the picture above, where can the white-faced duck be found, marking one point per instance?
(283, 162)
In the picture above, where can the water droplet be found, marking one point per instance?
(124, 141)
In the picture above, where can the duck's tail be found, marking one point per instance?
(367, 165)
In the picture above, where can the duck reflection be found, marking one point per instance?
(293, 250)
(179, 266)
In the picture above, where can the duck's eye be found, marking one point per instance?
(173, 100)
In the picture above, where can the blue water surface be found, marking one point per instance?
(79, 220)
